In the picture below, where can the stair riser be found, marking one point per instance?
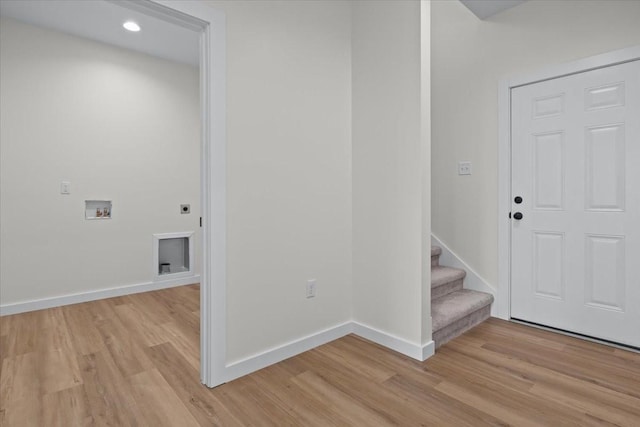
(435, 260)
(443, 290)
(461, 326)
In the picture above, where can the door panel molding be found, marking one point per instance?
(549, 264)
(605, 145)
(602, 96)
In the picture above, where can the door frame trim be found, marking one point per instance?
(616, 57)
(211, 22)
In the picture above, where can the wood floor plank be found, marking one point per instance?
(614, 379)
(23, 412)
(352, 380)
(25, 332)
(581, 402)
(3, 350)
(66, 408)
(19, 379)
(358, 362)
(442, 408)
(594, 356)
(158, 402)
(186, 298)
(55, 334)
(507, 412)
(551, 378)
(109, 394)
(149, 304)
(314, 386)
(6, 323)
(184, 378)
(629, 356)
(123, 347)
(239, 400)
(37, 374)
(134, 361)
(311, 412)
(185, 341)
(265, 406)
(140, 326)
(58, 370)
(464, 365)
(82, 329)
(354, 346)
(102, 310)
(514, 406)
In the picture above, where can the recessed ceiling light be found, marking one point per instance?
(131, 26)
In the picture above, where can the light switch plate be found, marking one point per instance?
(65, 187)
(311, 288)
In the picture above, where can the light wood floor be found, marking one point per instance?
(133, 361)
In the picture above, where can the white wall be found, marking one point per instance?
(119, 125)
(390, 165)
(290, 84)
(469, 57)
(289, 170)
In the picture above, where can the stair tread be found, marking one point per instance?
(456, 305)
(436, 250)
(441, 275)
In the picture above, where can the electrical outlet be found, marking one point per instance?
(311, 288)
(464, 168)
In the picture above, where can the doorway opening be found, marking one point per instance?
(207, 206)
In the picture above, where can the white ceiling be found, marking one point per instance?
(102, 21)
(483, 9)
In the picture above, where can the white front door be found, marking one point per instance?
(575, 251)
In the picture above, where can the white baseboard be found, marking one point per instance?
(39, 304)
(392, 342)
(262, 360)
(253, 363)
(473, 280)
(428, 350)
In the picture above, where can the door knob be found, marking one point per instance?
(518, 215)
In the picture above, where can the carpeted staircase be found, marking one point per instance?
(454, 310)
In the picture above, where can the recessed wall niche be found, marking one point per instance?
(97, 209)
(172, 255)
